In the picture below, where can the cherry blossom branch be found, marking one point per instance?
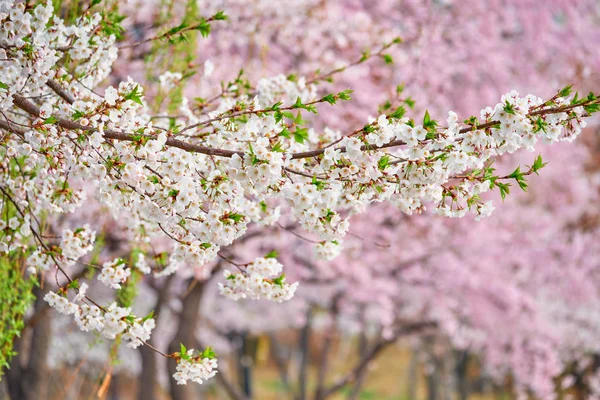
(365, 56)
(203, 26)
(235, 114)
(32, 109)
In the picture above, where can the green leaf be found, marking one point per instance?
(298, 103)
(208, 353)
(388, 59)
(285, 133)
(540, 125)
(472, 120)
(279, 281)
(50, 120)
(3, 85)
(365, 56)
(272, 254)
(575, 99)
(385, 106)
(203, 27)
(564, 92)
(538, 164)
(183, 351)
(111, 24)
(329, 215)
(301, 135)
(398, 113)
(176, 29)
(430, 125)
(135, 95)
(504, 189)
(330, 98)
(369, 128)
(277, 147)
(523, 184)
(220, 16)
(472, 200)
(509, 108)
(516, 173)
(263, 206)
(383, 162)
(74, 284)
(149, 316)
(319, 184)
(235, 217)
(592, 108)
(345, 94)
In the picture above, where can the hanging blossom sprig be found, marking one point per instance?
(262, 278)
(196, 366)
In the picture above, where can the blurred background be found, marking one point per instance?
(415, 307)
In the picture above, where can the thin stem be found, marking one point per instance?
(169, 34)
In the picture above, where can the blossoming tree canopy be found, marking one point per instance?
(202, 176)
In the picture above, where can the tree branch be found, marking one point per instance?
(370, 355)
(32, 109)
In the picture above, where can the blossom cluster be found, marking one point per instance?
(114, 273)
(328, 250)
(73, 245)
(195, 368)
(262, 278)
(109, 322)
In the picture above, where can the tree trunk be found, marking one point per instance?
(413, 375)
(433, 381)
(245, 361)
(14, 374)
(462, 382)
(303, 347)
(188, 321)
(147, 382)
(148, 379)
(281, 359)
(30, 381)
(363, 344)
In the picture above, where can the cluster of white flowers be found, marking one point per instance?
(73, 246)
(109, 322)
(169, 80)
(14, 232)
(261, 279)
(114, 273)
(196, 369)
(142, 265)
(30, 48)
(328, 250)
(39, 259)
(280, 88)
(60, 303)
